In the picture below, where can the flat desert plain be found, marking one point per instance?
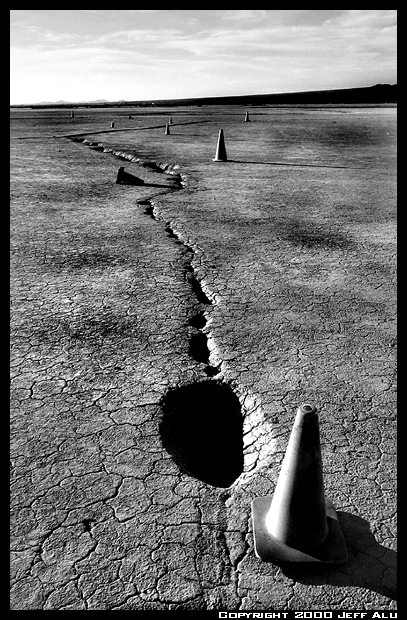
(163, 336)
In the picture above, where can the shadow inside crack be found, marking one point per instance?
(198, 347)
(202, 429)
(197, 320)
(370, 565)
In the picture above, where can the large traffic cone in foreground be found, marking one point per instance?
(298, 524)
(167, 130)
(221, 149)
(246, 118)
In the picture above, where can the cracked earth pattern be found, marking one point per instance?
(277, 283)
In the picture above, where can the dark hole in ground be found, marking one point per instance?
(202, 429)
(198, 348)
(197, 320)
(211, 371)
(170, 232)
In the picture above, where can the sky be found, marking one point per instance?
(87, 55)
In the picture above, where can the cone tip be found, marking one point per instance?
(307, 409)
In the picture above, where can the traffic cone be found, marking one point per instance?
(298, 524)
(170, 120)
(221, 149)
(167, 130)
(112, 124)
(246, 118)
(72, 114)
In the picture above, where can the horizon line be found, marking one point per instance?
(203, 97)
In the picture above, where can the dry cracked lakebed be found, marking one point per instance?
(163, 335)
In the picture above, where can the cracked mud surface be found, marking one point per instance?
(273, 283)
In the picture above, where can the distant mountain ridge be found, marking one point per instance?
(379, 93)
(64, 103)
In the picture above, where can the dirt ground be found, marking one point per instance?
(163, 336)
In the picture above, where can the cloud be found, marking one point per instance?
(373, 19)
(139, 36)
(202, 52)
(246, 16)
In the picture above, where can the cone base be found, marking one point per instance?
(269, 549)
(219, 160)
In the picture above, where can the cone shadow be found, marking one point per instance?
(125, 178)
(292, 165)
(202, 429)
(370, 565)
(166, 186)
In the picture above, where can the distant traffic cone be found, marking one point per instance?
(221, 149)
(246, 118)
(298, 524)
(112, 124)
(167, 130)
(170, 120)
(72, 114)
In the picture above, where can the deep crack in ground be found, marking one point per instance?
(223, 428)
(198, 347)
